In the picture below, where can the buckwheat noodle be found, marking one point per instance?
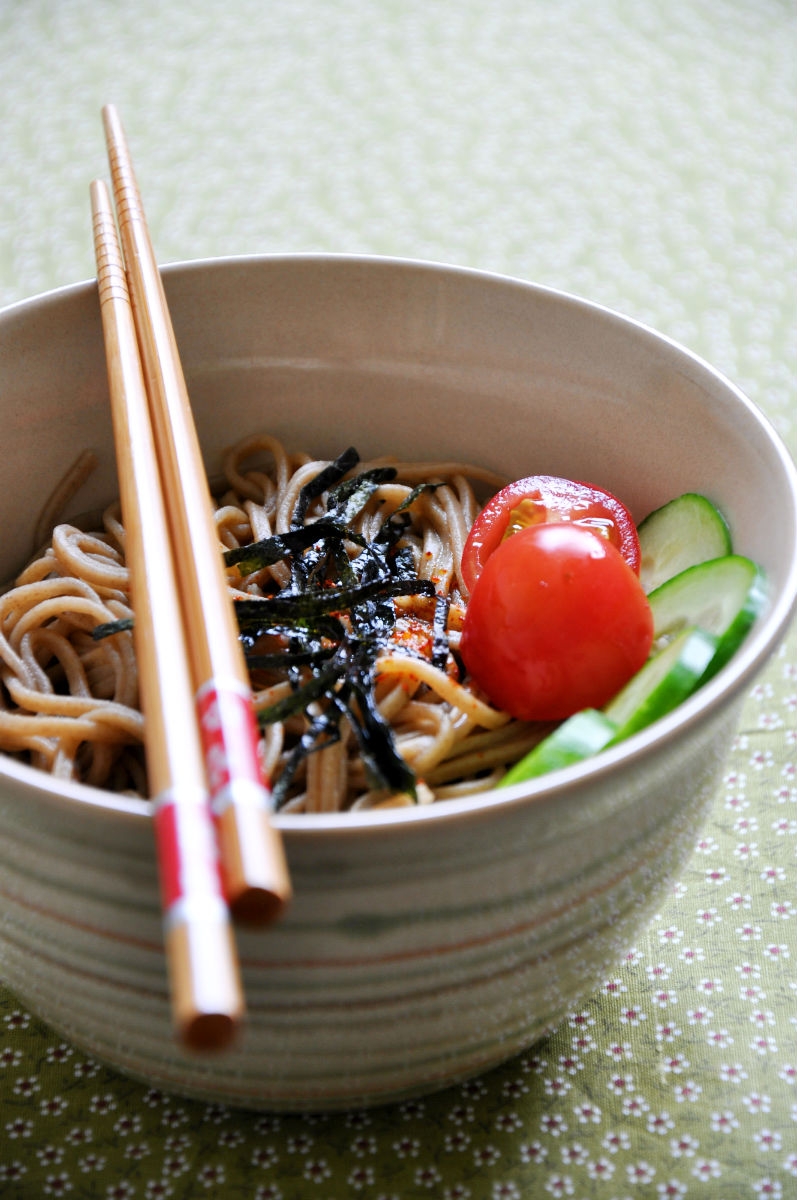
(69, 702)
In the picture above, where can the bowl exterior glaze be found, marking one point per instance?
(426, 945)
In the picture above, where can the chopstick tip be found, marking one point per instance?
(209, 1032)
(257, 906)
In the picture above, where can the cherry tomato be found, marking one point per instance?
(557, 621)
(547, 498)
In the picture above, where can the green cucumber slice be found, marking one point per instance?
(663, 683)
(723, 596)
(686, 531)
(577, 738)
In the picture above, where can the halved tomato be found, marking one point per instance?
(547, 499)
(558, 621)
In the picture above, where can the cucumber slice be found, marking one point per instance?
(686, 531)
(577, 738)
(663, 683)
(723, 596)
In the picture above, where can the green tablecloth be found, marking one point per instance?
(641, 154)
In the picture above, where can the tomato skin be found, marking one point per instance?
(558, 621)
(556, 500)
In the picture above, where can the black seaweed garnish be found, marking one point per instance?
(108, 628)
(326, 628)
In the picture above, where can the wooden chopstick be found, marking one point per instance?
(253, 862)
(206, 994)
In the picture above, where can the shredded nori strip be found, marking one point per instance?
(108, 628)
(322, 482)
(334, 618)
(440, 632)
(268, 551)
(312, 605)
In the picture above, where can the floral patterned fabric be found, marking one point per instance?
(640, 154)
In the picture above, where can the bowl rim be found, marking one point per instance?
(721, 692)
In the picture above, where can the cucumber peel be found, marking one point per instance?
(723, 596)
(682, 533)
(665, 681)
(579, 737)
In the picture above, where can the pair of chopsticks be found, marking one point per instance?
(218, 854)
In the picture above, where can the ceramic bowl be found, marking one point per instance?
(429, 944)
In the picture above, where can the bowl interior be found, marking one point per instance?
(416, 360)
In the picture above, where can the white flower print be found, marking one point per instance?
(428, 1177)
(674, 1063)
(732, 1073)
(640, 1172)
(486, 1156)
(756, 1103)
(631, 1015)
(768, 1189)
(506, 1190)
(587, 1114)
(553, 1123)
(619, 1050)
(360, 1176)
(767, 1139)
(570, 1064)
(559, 1185)
(724, 1122)
(582, 1043)
(667, 1031)
(749, 932)
(459, 1140)
(407, 1147)
(316, 1170)
(764, 1045)
(507, 1122)
(671, 1189)
(684, 1146)
(620, 1084)
(574, 1155)
(707, 1168)
(615, 1141)
(600, 1168)
(660, 1123)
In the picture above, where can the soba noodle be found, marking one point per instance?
(69, 701)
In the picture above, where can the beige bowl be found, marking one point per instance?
(423, 945)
